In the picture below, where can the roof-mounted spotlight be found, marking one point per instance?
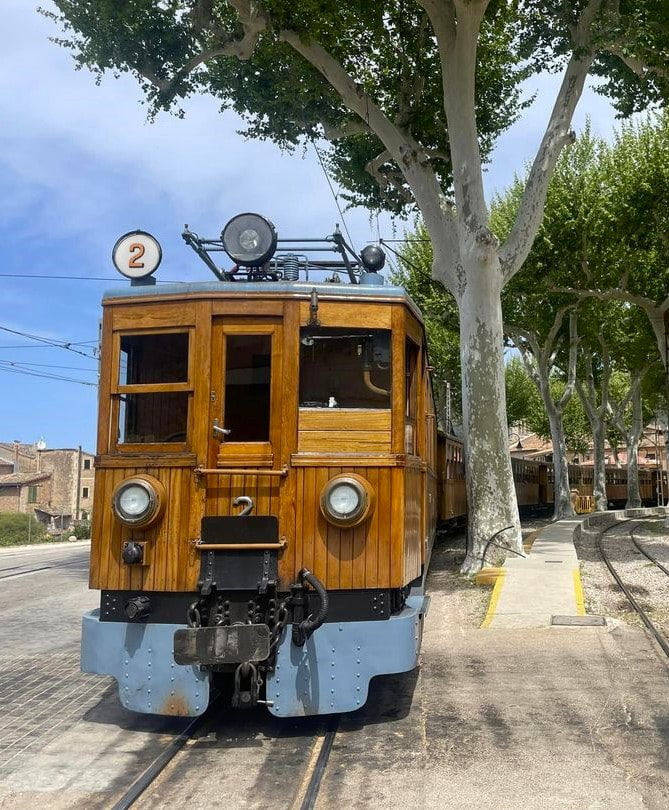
(249, 240)
(373, 259)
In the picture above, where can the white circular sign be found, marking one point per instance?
(137, 254)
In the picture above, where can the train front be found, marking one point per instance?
(266, 486)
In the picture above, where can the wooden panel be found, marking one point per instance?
(153, 315)
(413, 538)
(351, 314)
(337, 441)
(338, 430)
(345, 418)
(340, 459)
(107, 462)
(256, 309)
(172, 566)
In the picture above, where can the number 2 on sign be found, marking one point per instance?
(138, 250)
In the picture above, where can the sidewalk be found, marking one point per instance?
(533, 589)
(547, 583)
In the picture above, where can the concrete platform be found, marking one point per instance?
(530, 591)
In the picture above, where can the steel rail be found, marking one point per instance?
(661, 640)
(646, 554)
(159, 764)
(314, 786)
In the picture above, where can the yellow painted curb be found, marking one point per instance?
(578, 592)
(488, 576)
(494, 599)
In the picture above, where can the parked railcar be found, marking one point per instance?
(266, 493)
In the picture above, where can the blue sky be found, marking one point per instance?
(80, 165)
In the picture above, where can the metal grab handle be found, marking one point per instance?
(271, 545)
(219, 432)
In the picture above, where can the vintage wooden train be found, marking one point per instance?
(269, 478)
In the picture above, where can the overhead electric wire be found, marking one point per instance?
(22, 364)
(336, 199)
(63, 344)
(78, 278)
(45, 375)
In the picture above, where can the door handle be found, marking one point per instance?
(219, 432)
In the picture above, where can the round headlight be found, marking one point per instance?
(346, 500)
(138, 501)
(249, 239)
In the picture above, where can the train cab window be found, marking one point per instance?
(345, 368)
(152, 391)
(411, 407)
(247, 387)
(156, 358)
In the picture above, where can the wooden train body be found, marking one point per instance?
(276, 396)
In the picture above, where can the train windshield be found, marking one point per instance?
(153, 388)
(345, 368)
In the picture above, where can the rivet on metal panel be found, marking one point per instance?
(357, 661)
(357, 701)
(331, 704)
(332, 677)
(278, 681)
(149, 677)
(341, 627)
(358, 647)
(278, 694)
(357, 688)
(332, 691)
(357, 674)
(333, 649)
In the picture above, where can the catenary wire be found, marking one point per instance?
(63, 344)
(336, 199)
(46, 376)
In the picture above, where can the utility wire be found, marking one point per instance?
(336, 199)
(48, 341)
(22, 364)
(45, 376)
(78, 278)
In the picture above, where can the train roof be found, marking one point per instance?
(264, 289)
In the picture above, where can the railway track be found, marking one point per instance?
(309, 785)
(657, 634)
(22, 572)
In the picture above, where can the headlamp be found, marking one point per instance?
(139, 501)
(346, 500)
(249, 240)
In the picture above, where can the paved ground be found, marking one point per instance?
(495, 718)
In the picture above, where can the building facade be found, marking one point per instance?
(56, 485)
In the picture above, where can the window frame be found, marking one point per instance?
(118, 391)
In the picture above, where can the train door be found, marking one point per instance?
(245, 409)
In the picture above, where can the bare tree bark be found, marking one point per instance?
(597, 413)
(539, 362)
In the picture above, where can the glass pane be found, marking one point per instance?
(247, 387)
(150, 418)
(149, 359)
(345, 368)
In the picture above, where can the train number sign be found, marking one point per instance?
(137, 254)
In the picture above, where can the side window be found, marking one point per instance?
(153, 388)
(411, 405)
(345, 368)
(87, 463)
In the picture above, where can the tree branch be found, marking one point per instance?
(528, 219)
